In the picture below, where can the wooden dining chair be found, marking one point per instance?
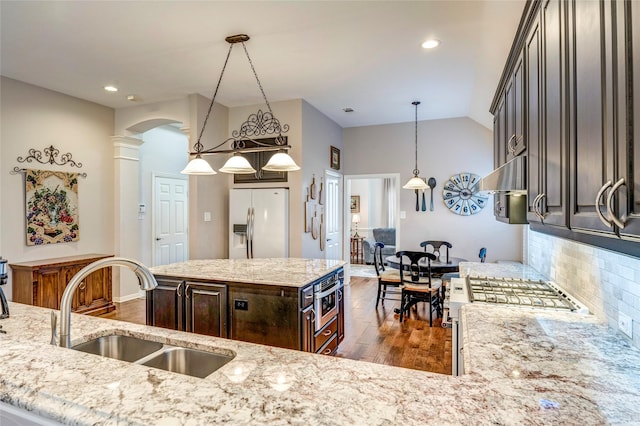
(418, 286)
(436, 247)
(388, 280)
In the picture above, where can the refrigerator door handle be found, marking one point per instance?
(253, 222)
(248, 233)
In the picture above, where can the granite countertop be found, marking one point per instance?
(524, 366)
(289, 272)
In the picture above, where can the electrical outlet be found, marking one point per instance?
(625, 324)
(241, 305)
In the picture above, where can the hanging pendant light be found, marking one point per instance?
(258, 124)
(198, 166)
(237, 164)
(416, 182)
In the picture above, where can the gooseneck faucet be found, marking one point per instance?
(145, 280)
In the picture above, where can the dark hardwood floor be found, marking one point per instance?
(370, 335)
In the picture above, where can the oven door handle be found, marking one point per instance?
(326, 292)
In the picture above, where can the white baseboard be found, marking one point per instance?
(141, 294)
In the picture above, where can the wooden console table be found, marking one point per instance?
(42, 282)
(357, 255)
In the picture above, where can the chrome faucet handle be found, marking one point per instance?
(54, 328)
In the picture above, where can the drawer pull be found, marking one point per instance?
(327, 332)
(327, 351)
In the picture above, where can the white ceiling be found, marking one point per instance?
(365, 55)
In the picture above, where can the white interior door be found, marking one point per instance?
(170, 220)
(334, 214)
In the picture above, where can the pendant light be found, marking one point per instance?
(258, 124)
(416, 182)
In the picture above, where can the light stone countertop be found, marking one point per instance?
(519, 362)
(288, 272)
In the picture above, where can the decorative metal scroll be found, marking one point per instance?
(260, 124)
(51, 153)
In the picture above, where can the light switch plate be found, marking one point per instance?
(625, 324)
(403, 214)
(207, 216)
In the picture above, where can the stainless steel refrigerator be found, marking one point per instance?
(258, 223)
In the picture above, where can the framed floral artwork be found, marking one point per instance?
(335, 158)
(52, 207)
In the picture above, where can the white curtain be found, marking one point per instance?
(389, 202)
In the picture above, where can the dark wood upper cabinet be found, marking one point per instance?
(580, 67)
(546, 117)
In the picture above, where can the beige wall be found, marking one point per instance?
(445, 147)
(33, 117)
(319, 133)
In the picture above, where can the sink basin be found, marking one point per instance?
(124, 348)
(191, 362)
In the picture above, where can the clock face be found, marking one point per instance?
(461, 196)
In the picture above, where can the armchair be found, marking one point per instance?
(386, 236)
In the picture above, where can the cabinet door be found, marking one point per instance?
(629, 151)
(80, 297)
(165, 304)
(49, 289)
(499, 136)
(206, 308)
(553, 203)
(591, 133)
(514, 104)
(535, 146)
(307, 321)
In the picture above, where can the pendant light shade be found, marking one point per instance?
(237, 164)
(281, 162)
(416, 182)
(198, 166)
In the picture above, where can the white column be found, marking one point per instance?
(126, 185)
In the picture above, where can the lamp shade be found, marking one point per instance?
(281, 162)
(416, 183)
(198, 166)
(237, 164)
(355, 218)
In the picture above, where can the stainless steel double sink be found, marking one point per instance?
(192, 362)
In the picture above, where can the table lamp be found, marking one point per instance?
(356, 219)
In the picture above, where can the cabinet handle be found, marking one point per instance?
(327, 333)
(510, 149)
(178, 290)
(534, 205)
(604, 220)
(537, 206)
(496, 208)
(186, 291)
(620, 224)
(339, 295)
(326, 351)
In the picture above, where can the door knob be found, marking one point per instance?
(158, 239)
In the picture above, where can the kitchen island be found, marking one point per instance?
(285, 302)
(525, 366)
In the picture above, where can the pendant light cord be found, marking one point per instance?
(416, 172)
(198, 146)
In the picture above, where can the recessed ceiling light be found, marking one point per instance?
(430, 44)
(111, 88)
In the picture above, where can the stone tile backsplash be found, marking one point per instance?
(605, 281)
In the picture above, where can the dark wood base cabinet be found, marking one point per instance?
(194, 306)
(42, 282)
(265, 314)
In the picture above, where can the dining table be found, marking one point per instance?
(438, 266)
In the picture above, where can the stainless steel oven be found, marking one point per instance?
(325, 296)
